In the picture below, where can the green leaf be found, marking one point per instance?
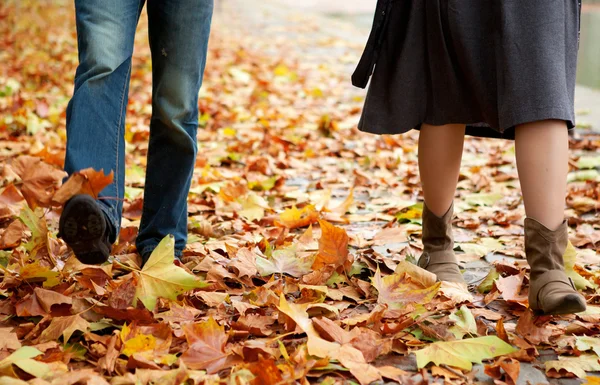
(464, 323)
(461, 354)
(583, 175)
(488, 282)
(22, 358)
(588, 162)
(161, 278)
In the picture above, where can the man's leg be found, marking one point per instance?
(179, 31)
(96, 114)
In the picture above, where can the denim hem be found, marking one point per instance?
(147, 251)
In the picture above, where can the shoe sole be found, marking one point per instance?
(82, 226)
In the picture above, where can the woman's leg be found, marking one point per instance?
(542, 160)
(542, 150)
(440, 151)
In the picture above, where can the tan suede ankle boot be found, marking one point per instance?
(438, 244)
(550, 290)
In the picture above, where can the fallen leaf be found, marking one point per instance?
(398, 290)
(572, 366)
(64, 326)
(333, 246)
(161, 278)
(9, 339)
(206, 346)
(317, 346)
(585, 343)
(461, 354)
(569, 257)
(265, 372)
(510, 370)
(353, 359)
(294, 218)
(39, 180)
(23, 359)
(464, 323)
(529, 330)
(284, 261)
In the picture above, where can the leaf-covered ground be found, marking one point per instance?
(303, 234)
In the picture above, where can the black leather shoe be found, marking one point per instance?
(85, 228)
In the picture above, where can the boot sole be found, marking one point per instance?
(82, 226)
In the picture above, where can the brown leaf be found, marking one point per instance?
(509, 373)
(108, 361)
(331, 331)
(9, 339)
(206, 346)
(244, 262)
(40, 180)
(501, 332)
(511, 287)
(49, 298)
(532, 332)
(11, 237)
(11, 202)
(353, 359)
(88, 181)
(333, 246)
(64, 326)
(255, 324)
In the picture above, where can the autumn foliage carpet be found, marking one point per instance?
(303, 237)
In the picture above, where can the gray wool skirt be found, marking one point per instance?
(489, 64)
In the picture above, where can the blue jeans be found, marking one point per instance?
(178, 34)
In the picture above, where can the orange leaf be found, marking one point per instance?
(333, 246)
(206, 346)
(265, 372)
(88, 181)
(39, 180)
(294, 218)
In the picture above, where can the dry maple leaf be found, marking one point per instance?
(161, 278)
(532, 332)
(64, 326)
(88, 181)
(333, 246)
(39, 180)
(206, 346)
